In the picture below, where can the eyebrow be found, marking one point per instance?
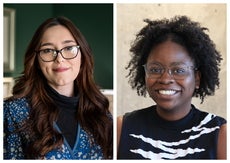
(51, 44)
(171, 64)
(177, 63)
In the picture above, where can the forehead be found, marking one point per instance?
(173, 64)
(168, 53)
(56, 33)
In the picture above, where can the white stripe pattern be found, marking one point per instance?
(172, 153)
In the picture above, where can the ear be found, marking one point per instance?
(197, 79)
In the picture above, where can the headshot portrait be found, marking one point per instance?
(60, 105)
(171, 81)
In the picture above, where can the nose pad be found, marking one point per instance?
(59, 57)
(55, 54)
(166, 77)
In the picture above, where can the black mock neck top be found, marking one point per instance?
(66, 122)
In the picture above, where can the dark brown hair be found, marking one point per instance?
(92, 108)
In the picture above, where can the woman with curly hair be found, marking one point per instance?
(57, 111)
(173, 60)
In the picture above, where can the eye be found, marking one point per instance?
(155, 70)
(69, 48)
(46, 51)
(179, 70)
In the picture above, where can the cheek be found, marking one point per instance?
(76, 64)
(41, 65)
(149, 83)
(44, 67)
(189, 85)
(76, 69)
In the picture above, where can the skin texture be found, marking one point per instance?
(222, 143)
(60, 73)
(175, 106)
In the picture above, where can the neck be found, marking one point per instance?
(173, 114)
(66, 90)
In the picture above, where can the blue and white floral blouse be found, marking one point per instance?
(16, 111)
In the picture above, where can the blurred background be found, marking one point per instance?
(95, 21)
(130, 20)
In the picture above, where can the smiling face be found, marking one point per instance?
(171, 95)
(61, 72)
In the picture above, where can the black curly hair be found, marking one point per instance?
(188, 34)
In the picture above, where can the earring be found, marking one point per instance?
(196, 90)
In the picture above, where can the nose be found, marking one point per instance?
(59, 57)
(166, 77)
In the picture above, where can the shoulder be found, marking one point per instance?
(137, 117)
(15, 102)
(15, 109)
(209, 118)
(141, 113)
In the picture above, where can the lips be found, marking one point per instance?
(167, 92)
(61, 69)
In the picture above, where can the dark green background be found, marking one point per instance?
(95, 21)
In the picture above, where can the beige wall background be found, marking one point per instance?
(130, 21)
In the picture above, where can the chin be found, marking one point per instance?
(166, 106)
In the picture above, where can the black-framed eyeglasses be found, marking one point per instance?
(49, 55)
(178, 72)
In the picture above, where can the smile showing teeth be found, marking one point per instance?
(167, 92)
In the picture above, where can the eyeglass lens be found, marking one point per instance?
(180, 71)
(68, 52)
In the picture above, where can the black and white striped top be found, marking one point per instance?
(145, 135)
